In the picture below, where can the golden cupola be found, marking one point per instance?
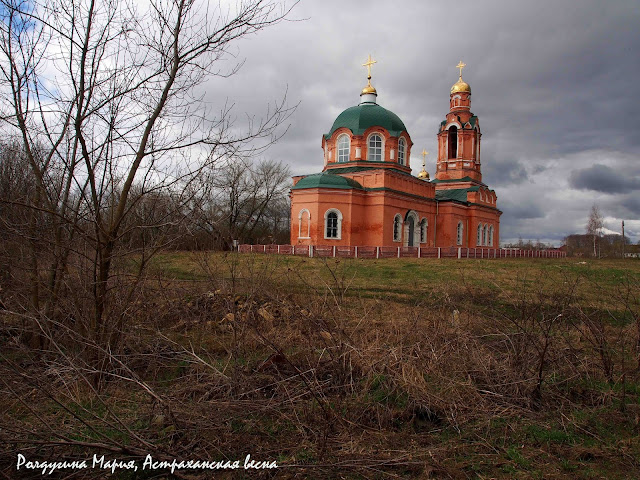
(423, 175)
(460, 85)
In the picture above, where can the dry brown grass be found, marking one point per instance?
(346, 369)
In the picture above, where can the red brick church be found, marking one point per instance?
(366, 194)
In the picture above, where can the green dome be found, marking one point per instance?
(326, 180)
(359, 118)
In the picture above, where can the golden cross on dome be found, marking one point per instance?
(368, 65)
(461, 66)
(424, 156)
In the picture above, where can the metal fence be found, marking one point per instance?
(337, 251)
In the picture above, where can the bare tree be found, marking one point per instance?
(246, 202)
(594, 225)
(102, 95)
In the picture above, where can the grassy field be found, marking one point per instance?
(395, 368)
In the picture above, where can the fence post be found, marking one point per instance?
(438, 252)
(334, 251)
(459, 252)
(311, 251)
(356, 252)
(377, 252)
(278, 249)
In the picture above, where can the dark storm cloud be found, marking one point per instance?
(624, 207)
(631, 204)
(504, 172)
(602, 178)
(523, 211)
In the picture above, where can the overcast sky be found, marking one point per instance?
(554, 84)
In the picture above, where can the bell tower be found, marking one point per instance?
(459, 137)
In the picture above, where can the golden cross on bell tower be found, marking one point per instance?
(368, 65)
(424, 157)
(461, 66)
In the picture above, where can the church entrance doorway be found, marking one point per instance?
(411, 231)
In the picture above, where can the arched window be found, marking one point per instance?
(423, 230)
(304, 223)
(484, 234)
(459, 233)
(401, 151)
(397, 228)
(343, 148)
(479, 236)
(374, 151)
(333, 224)
(453, 141)
(491, 235)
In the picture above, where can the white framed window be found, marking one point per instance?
(460, 232)
(491, 235)
(479, 235)
(484, 234)
(333, 224)
(343, 148)
(397, 228)
(304, 223)
(374, 148)
(402, 147)
(423, 230)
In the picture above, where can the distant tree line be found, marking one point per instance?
(608, 245)
(243, 202)
(239, 200)
(528, 245)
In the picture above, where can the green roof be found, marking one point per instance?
(457, 194)
(359, 118)
(327, 180)
(463, 179)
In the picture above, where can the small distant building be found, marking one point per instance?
(632, 251)
(366, 194)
